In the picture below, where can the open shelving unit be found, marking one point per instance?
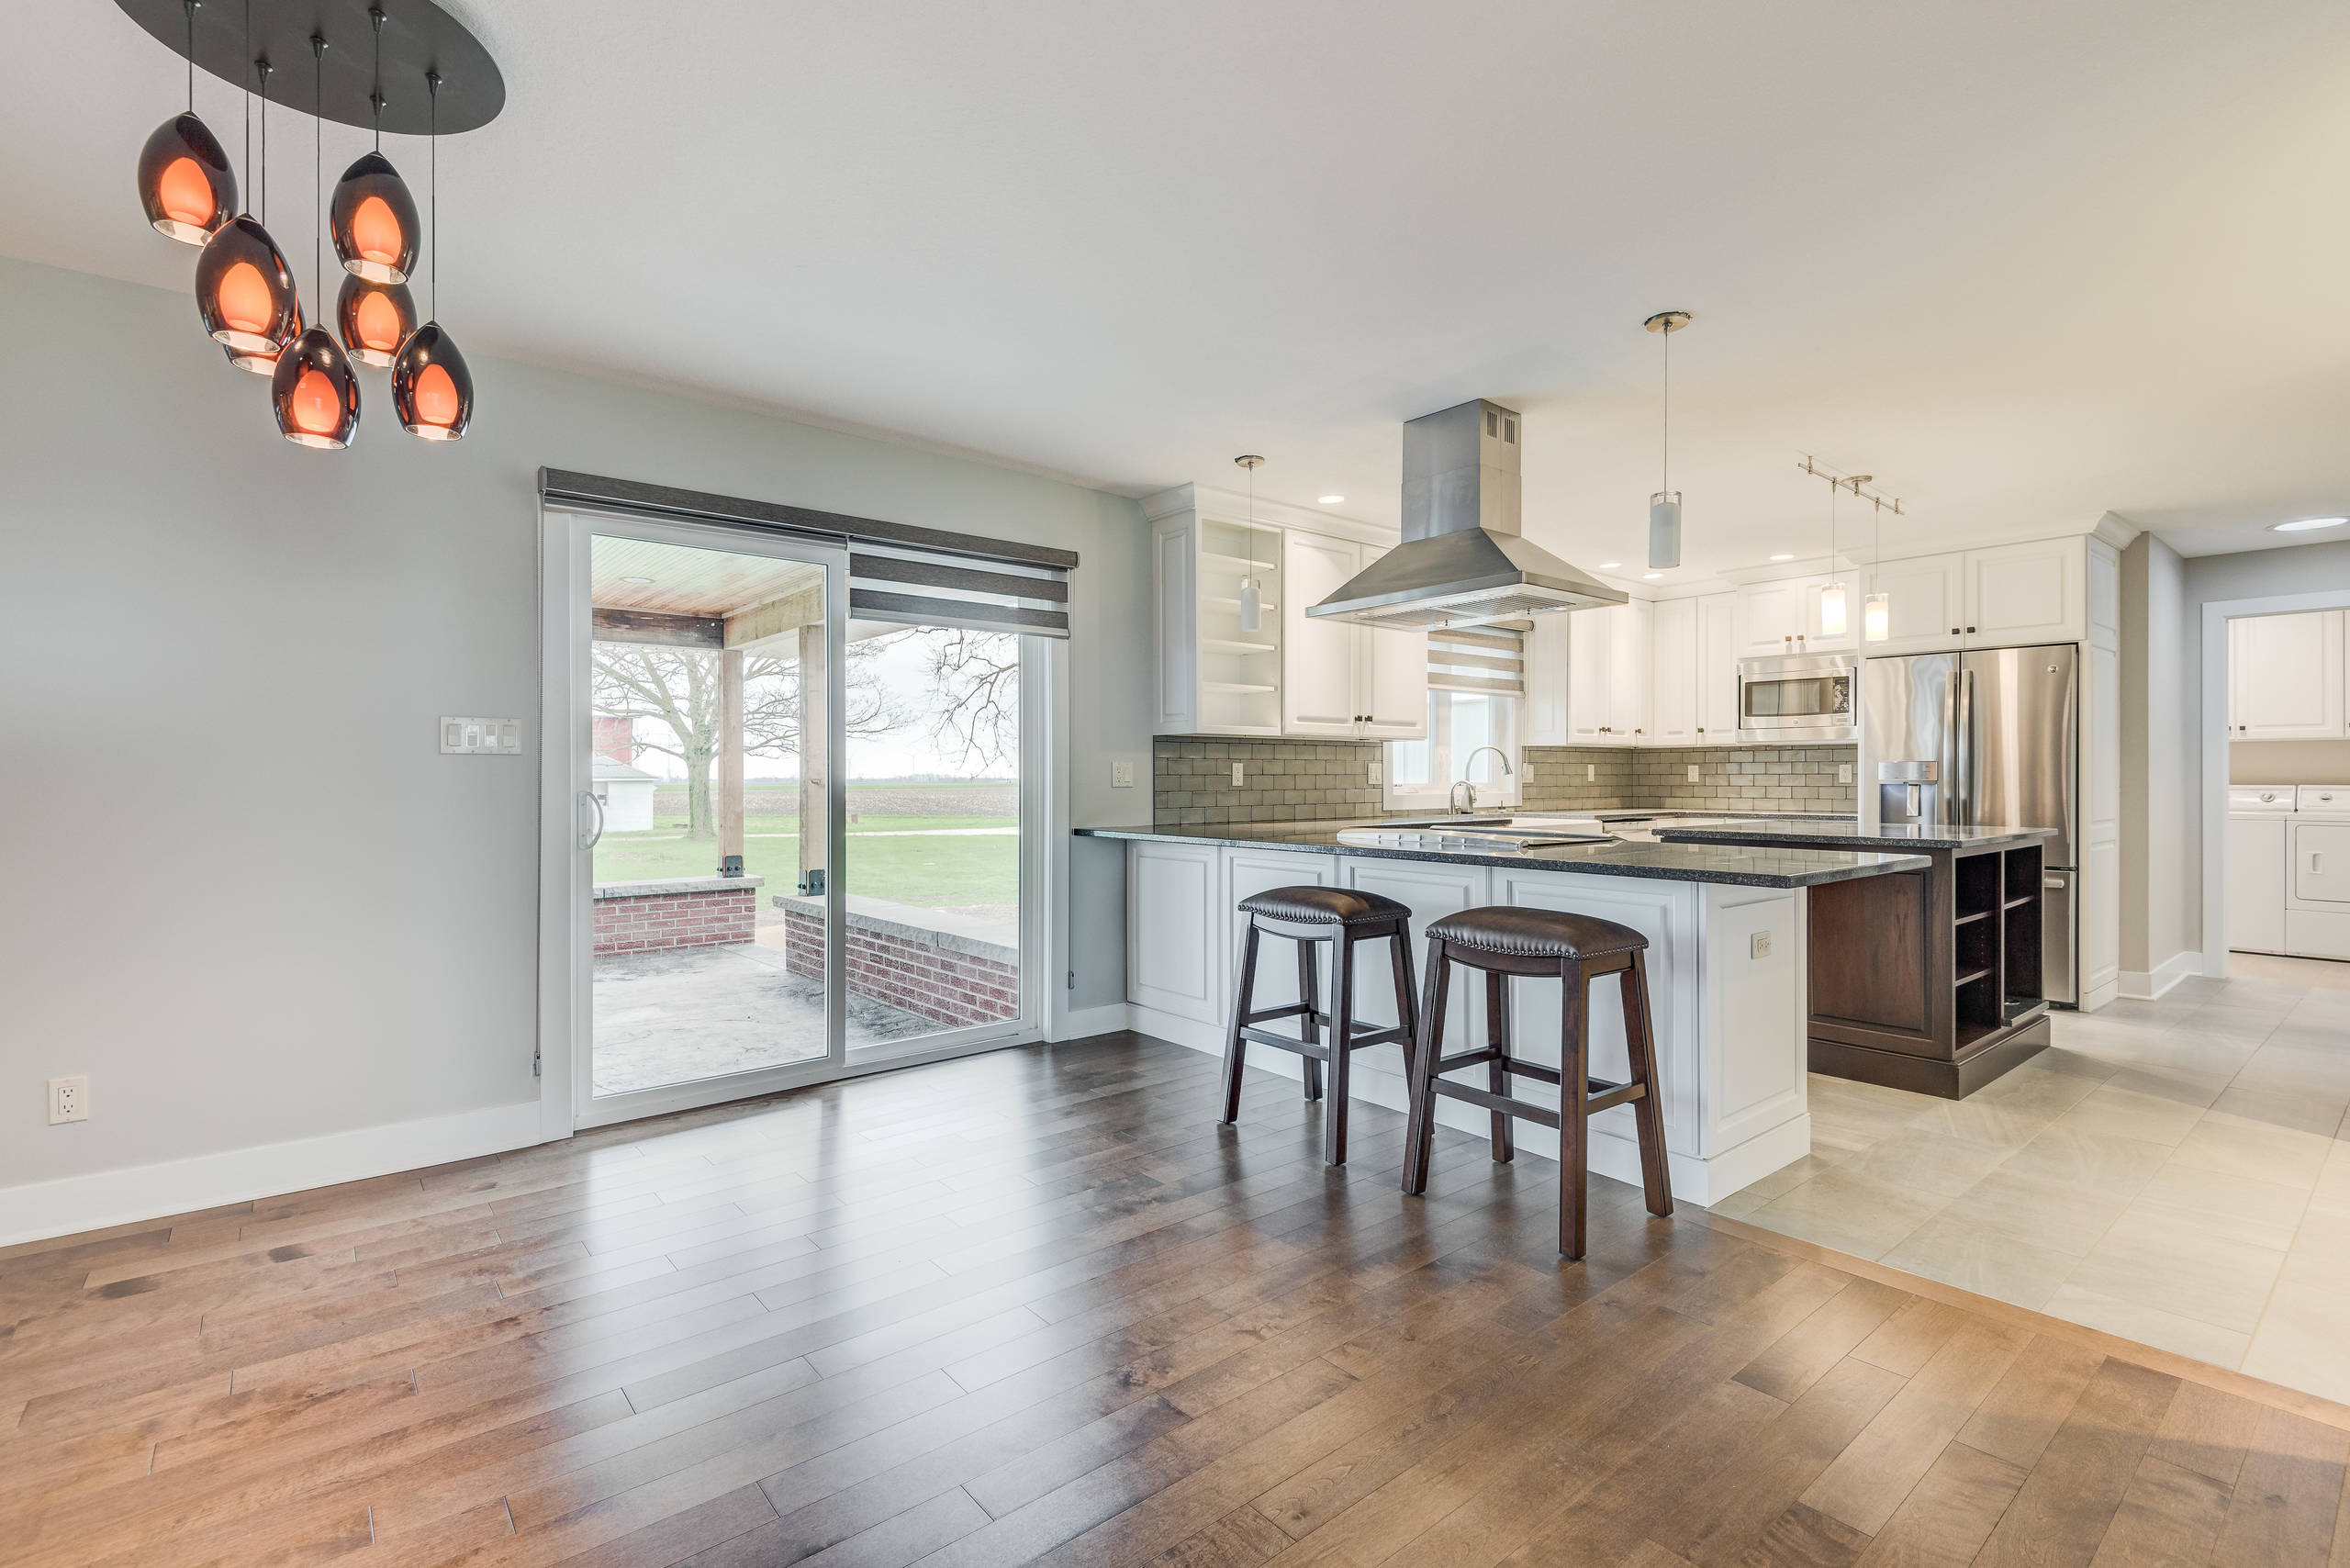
(1239, 669)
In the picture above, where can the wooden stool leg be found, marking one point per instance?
(1648, 1111)
(1419, 1133)
(1405, 1001)
(1575, 1123)
(1308, 979)
(1235, 1047)
(1497, 1036)
(1342, 1024)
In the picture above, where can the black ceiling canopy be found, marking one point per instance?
(418, 37)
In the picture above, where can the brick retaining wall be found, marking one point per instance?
(641, 917)
(946, 977)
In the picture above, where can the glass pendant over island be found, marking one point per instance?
(244, 290)
(316, 393)
(433, 392)
(374, 319)
(185, 184)
(374, 221)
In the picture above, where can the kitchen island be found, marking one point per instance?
(1727, 963)
(1930, 979)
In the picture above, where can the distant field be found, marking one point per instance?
(905, 859)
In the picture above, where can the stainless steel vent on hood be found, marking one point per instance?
(1462, 559)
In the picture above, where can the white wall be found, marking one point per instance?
(243, 891)
(2161, 833)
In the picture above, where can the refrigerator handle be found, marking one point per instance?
(1946, 806)
(1964, 740)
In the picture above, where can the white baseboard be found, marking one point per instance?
(39, 1210)
(2149, 985)
(1084, 1021)
(1613, 1150)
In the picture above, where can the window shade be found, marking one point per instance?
(1484, 659)
(926, 576)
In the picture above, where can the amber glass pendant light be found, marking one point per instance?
(314, 389)
(185, 184)
(244, 291)
(373, 218)
(433, 392)
(263, 362)
(374, 319)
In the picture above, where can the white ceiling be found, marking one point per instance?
(2027, 263)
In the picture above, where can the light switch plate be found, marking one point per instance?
(1760, 946)
(1122, 775)
(480, 737)
(1235, 775)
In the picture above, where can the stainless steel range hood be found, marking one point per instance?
(1462, 559)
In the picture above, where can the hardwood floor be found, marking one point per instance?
(1038, 1307)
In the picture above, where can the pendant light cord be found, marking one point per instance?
(317, 165)
(248, 110)
(1664, 485)
(264, 68)
(190, 56)
(432, 197)
(375, 93)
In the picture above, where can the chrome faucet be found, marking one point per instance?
(1463, 798)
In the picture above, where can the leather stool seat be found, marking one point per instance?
(1324, 906)
(1536, 933)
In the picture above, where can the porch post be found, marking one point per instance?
(730, 753)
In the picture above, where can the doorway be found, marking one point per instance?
(797, 843)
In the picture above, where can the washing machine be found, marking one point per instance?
(2317, 884)
(2260, 827)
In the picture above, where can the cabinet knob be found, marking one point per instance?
(1970, 631)
(1953, 631)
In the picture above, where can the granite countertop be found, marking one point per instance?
(1755, 866)
(1845, 830)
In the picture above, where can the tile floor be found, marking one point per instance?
(2174, 1171)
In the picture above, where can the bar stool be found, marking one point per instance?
(1312, 916)
(1576, 949)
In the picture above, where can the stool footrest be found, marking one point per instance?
(1363, 1039)
(1511, 1064)
(1604, 1096)
(1294, 1010)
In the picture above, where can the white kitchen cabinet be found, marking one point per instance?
(1393, 672)
(1928, 608)
(2027, 593)
(1607, 675)
(1172, 921)
(1545, 720)
(2285, 677)
(1771, 616)
(1718, 669)
(2255, 903)
(1319, 655)
(1673, 674)
(1215, 676)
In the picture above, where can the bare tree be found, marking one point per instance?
(974, 683)
(680, 687)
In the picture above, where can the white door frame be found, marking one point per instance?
(566, 917)
(2217, 614)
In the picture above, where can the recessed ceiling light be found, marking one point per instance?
(638, 582)
(1782, 557)
(2305, 524)
(1608, 565)
(1330, 500)
(1652, 575)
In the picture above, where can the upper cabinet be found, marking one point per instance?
(1718, 669)
(1392, 675)
(2000, 598)
(2027, 593)
(1607, 675)
(1318, 656)
(1927, 609)
(1673, 674)
(1772, 617)
(1544, 721)
(2286, 677)
(1214, 678)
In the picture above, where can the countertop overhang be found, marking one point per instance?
(1841, 830)
(1744, 864)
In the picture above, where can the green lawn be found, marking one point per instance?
(940, 872)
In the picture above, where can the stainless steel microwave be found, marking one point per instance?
(1807, 697)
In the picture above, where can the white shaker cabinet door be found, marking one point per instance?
(1718, 669)
(1318, 655)
(1630, 694)
(2293, 676)
(1546, 682)
(1772, 617)
(1589, 646)
(1673, 707)
(1396, 685)
(2017, 594)
(1174, 929)
(1926, 603)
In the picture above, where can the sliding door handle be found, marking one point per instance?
(589, 841)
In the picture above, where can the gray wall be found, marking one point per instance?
(244, 893)
(2162, 657)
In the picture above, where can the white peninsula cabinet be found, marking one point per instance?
(1727, 970)
(1293, 674)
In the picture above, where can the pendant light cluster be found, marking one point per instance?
(246, 292)
(1835, 602)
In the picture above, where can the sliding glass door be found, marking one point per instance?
(798, 840)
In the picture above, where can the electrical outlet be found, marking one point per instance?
(1377, 775)
(69, 1099)
(1692, 773)
(1122, 775)
(1235, 775)
(1760, 945)
(1843, 773)
(1591, 772)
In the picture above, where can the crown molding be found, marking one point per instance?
(1214, 502)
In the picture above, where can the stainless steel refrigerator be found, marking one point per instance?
(1984, 739)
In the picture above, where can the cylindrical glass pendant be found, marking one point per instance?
(433, 392)
(1664, 529)
(316, 392)
(373, 218)
(374, 319)
(1252, 606)
(185, 186)
(1877, 618)
(1834, 617)
(244, 290)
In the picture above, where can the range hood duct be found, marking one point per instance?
(1462, 559)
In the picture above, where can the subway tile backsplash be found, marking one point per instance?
(1304, 780)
